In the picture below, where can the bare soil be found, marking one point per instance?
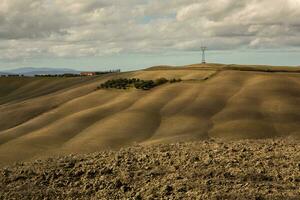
(211, 169)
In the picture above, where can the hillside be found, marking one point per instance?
(57, 116)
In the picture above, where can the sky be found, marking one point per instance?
(134, 34)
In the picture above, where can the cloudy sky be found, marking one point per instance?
(131, 34)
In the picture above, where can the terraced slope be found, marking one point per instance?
(211, 101)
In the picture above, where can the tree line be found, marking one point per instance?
(126, 83)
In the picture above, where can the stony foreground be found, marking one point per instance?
(258, 169)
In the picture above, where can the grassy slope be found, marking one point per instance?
(231, 104)
(14, 89)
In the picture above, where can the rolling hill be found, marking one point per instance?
(42, 117)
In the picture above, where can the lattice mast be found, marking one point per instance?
(203, 48)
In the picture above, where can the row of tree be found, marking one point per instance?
(108, 72)
(78, 75)
(57, 75)
(124, 83)
(12, 75)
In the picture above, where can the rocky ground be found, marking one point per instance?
(255, 169)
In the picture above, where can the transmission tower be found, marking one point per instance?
(203, 54)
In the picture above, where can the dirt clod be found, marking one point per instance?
(260, 169)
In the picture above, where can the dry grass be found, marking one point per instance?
(46, 117)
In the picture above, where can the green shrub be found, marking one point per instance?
(161, 81)
(124, 83)
(175, 80)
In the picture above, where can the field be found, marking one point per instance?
(42, 117)
(210, 169)
(222, 132)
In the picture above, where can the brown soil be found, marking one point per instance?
(210, 169)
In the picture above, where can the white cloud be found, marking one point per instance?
(55, 28)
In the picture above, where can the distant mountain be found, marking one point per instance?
(4, 73)
(30, 71)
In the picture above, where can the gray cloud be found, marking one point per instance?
(30, 19)
(44, 28)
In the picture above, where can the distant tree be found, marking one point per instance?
(175, 80)
(161, 81)
(125, 83)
